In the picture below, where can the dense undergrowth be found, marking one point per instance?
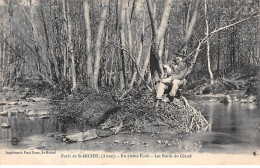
(246, 78)
(136, 112)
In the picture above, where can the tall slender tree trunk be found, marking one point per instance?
(1, 62)
(166, 47)
(122, 53)
(89, 56)
(119, 59)
(155, 68)
(218, 63)
(111, 73)
(190, 28)
(50, 50)
(187, 19)
(71, 51)
(106, 59)
(33, 32)
(258, 38)
(53, 50)
(161, 47)
(157, 36)
(207, 33)
(64, 33)
(7, 72)
(98, 43)
(146, 62)
(232, 49)
(4, 58)
(35, 36)
(139, 54)
(129, 30)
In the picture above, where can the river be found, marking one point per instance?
(234, 128)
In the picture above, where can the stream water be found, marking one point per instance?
(234, 128)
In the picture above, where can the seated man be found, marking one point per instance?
(173, 79)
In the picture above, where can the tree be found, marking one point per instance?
(88, 42)
(157, 36)
(98, 43)
(139, 55)
(189, 27)
(71, 50)
(113, 43)
(208, 48)
(1, 63)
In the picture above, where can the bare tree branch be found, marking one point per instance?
(202, 41)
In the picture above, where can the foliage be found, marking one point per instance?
(85, 106)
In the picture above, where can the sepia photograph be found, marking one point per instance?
(130, 82)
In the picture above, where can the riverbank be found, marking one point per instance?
(36, 123)
(232, 129)
(41, 133)
(230, 86)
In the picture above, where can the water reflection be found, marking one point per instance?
(210, 114)
(233, 127)
(24, 127)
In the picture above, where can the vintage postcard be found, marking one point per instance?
(129, 82)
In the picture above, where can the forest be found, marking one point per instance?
(99, 60)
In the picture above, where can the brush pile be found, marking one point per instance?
(136, 112)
